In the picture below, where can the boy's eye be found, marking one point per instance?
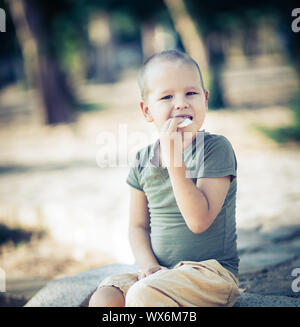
(167, 97)
(191, 93)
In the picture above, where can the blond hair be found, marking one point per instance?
(168, 55)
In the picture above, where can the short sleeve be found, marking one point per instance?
(219, 158)
(133, 178)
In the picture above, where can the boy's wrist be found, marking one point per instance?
(171, 154)
(150, 270)
(148, 265)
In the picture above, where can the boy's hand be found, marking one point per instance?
(149, 271)
(171, 141)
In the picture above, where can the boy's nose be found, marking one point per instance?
(181, 106)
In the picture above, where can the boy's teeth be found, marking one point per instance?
(188, 117)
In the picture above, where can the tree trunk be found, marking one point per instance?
(216, 61)
(29, 50)
(42, 68)
(58, 99)
(191, 38)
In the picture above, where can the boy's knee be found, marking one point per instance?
(144, 293)
(108, 296)
(140, 295)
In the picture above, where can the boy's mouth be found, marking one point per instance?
(184, 116)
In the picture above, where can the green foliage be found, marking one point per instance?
(68, 45)
(285, 134)
(89, 107)
(125, 26)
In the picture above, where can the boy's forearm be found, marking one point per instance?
(139, 239)
(191, 202)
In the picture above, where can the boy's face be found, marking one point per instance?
(174, 89)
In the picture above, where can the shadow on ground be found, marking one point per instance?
(16, 235)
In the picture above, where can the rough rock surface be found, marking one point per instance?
(75, 291)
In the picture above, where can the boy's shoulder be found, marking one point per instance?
(143, 156)
(211, 142)
(216, 139)
(145, 152)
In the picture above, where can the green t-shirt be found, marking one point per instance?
(209, 155)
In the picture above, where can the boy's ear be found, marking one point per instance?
(206, 93)
(146, 111)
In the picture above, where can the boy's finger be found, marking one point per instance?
(175, 122)
(171, 124)
(141, 276)
(165, 126)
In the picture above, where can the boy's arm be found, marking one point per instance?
(199, 204)
(139, 229)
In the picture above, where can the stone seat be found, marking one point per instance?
(74, 291)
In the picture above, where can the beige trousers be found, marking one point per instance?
(189, 284)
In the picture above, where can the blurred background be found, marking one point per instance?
(68, 73)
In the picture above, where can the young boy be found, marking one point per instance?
(183, 193)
